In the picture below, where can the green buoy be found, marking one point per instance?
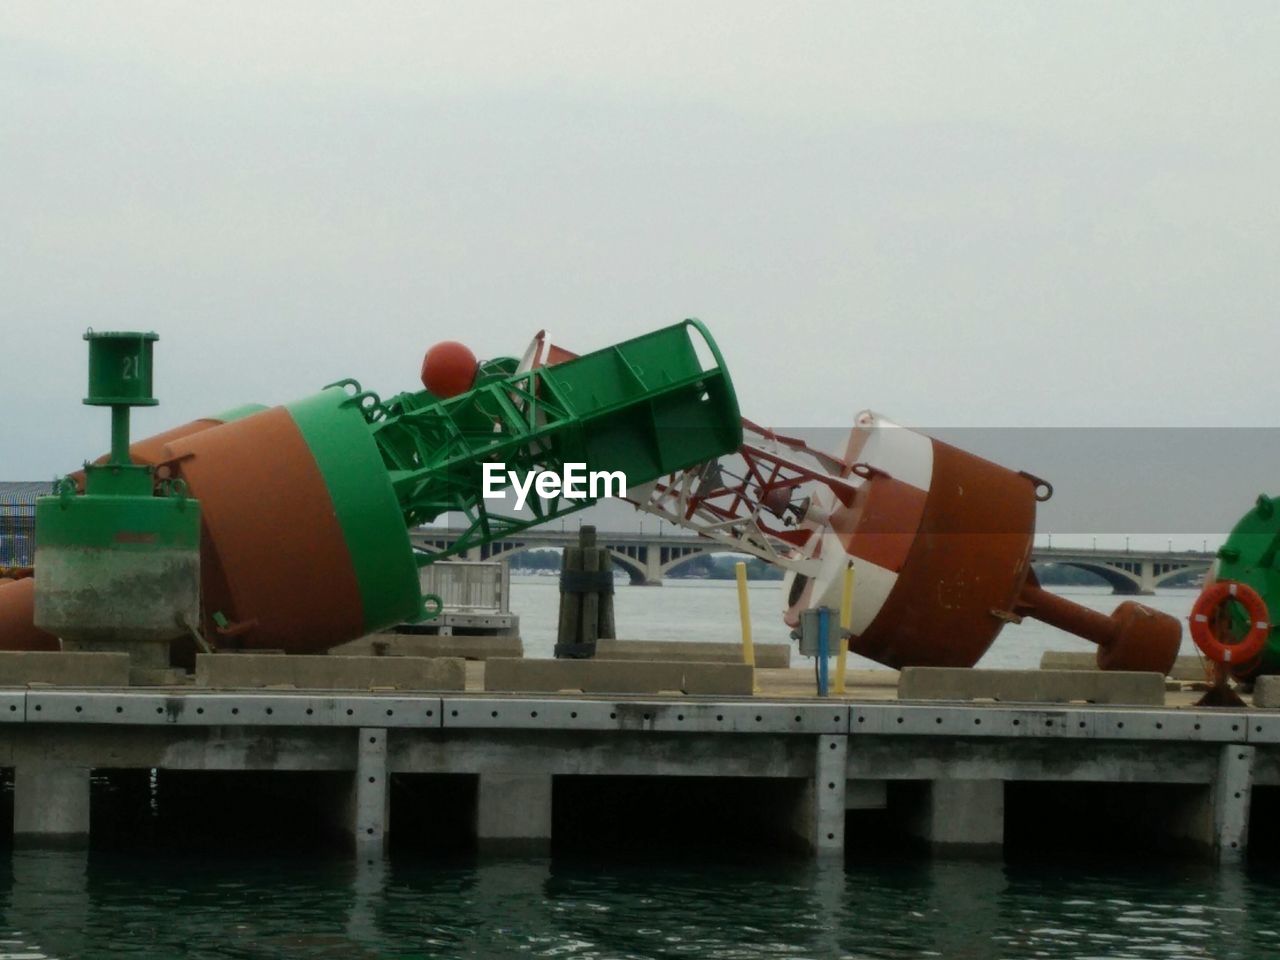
(118, 566)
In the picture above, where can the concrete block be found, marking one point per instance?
(1036, 686)
(330, 673)
(168, 677)
(50, 805)
(142, 654)
(1186, 668)
(21, 667)
(513, 813)
(422, 645)
(618, 676)
(770, 655)
(1266, 692)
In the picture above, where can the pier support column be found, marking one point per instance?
(50, 806)
(513, 813)
(1231, 795)
(818, 818)
(1215, 820)
(829, 775)
(961, 817)
(370, 800)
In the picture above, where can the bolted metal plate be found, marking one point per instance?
(510, 713)
(1086, 723)
(662, 716)
(953, 721)
(1263, 727)
(1184, 725)
(231, 709)
(13, 706)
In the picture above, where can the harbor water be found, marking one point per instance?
(707, 610)
(63, 905)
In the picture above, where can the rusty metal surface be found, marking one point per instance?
(17, 618)
(275, 560)
(969, 557)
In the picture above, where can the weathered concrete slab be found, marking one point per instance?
(21, 667)
(330, 673)
(618, 676)
(1048, 686)
(1189, 667)
(423, 645)
(768, 655)
(1266, 692)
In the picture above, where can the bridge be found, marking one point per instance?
(648, 558)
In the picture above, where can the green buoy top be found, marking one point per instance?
(120, 369)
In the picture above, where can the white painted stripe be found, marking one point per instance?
(872, 583)
(905, 455)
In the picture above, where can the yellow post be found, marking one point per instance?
(744, 611)
(846, 624)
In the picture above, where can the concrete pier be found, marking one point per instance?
(507, 771)
(370, 810)
(50, 805)
(960, 817)
(513, 813)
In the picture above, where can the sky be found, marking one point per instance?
(963, 215)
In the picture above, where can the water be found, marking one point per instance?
(242, 904)
(707, 610)
(64, 905)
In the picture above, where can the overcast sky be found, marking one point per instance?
(959, 214)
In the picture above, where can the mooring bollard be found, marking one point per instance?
(586, 598)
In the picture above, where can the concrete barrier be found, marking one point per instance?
(330, 673)
(1188, 667)
(618, 676)
(433, 645)
(1038, 686)
(1266, 692)
(21, 667)
(771, 655)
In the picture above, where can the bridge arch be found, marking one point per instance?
(1122, 581)
(507, 550)
(635, 569)
(679, 556)
(1136, 576)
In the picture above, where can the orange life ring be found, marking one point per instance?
(1205, 612)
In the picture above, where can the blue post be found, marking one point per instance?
(824, 648)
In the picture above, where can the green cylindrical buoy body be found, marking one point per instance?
(306, 546)
(117, 568)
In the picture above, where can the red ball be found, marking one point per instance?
(449, 369)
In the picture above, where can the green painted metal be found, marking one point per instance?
(113, 522)
(335, 430)
(648, 407)
(240, 412)
(120, 368)
(1249, 555)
